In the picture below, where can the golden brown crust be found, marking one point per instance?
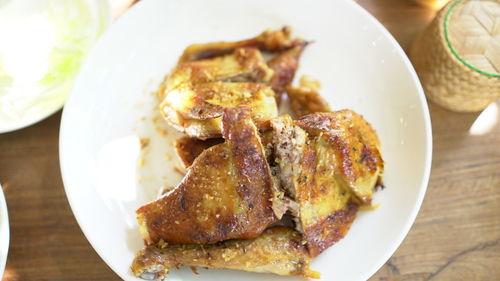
(327, 231)
(183, 103)
(328, 165)
(357, 148)
(188, 148)
(226, 193)
(324, 202)
(325, 165)
(278, 250)
(196, 109)
(255, 183)
(278, 40)
(269, 40)
(242, 65)
(284, 65)
(304, 101)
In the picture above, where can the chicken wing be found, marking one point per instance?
(227, 193)
(323, 170)
(284, 65)
(242, 65)
(196, 109)
(269, 40)
(277, 250)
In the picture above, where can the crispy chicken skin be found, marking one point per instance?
(227, 193)
(284, 65)
(242, 65)
(197, 109)
(261, 193)
(277, 250)
(304, 101)
(357, 148)
(269, 40)
(188, 148)
(322, 170)
(197, 90)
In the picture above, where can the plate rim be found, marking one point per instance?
(388, 252)
(24, 123)
(429, 143)
(4, 232)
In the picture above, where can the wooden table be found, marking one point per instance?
(455, 237)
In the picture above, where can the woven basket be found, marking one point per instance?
(457, 56)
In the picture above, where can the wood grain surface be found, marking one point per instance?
(455, 237)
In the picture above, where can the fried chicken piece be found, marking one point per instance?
(306, 100)
(196, 93)
(242, 65)
(277, 250)
(269, 40)
(325, 171)
(310, 83)
(284, 65)
(188, 148)
(357, 148)
(197, 109)
(228, 192)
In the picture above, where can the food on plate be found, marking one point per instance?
(210, 77)
(242, 65)
(356, 148)
(197, 109)
(227, 193)
(269, 40)
(329, 164)
(305, 101)
(278, 250)
(188, 148)
(284, 66)
(261, 192)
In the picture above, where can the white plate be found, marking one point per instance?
(4, 232)
(358, 62)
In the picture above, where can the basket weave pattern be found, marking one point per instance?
(448, 81)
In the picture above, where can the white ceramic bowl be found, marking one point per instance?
(358, 62)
